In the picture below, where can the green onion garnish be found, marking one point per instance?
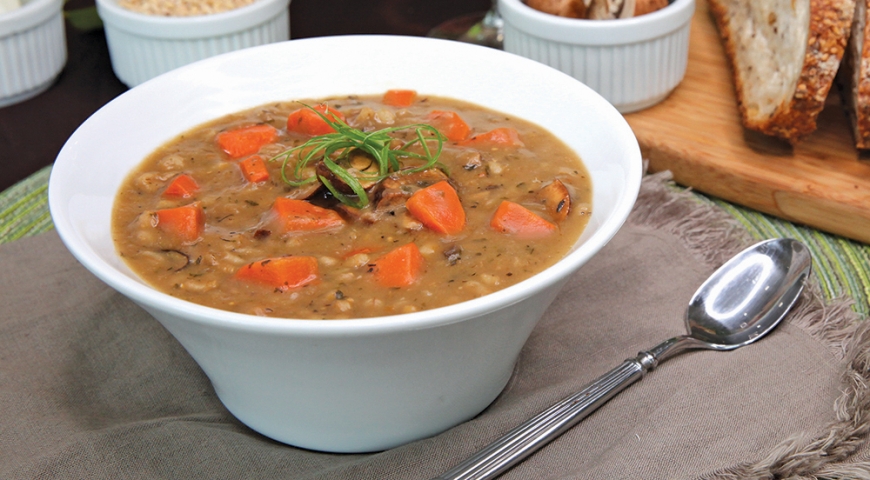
(335, 148)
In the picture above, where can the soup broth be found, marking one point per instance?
(471, 201)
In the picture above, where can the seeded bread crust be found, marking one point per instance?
(794, 116)
(855, 76)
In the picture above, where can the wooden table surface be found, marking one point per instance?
(696, 133)
(33, 132)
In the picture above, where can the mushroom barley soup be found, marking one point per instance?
(351, 207)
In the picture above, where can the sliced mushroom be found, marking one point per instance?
(453, 254)
(556, 199)
(353, 214)
(362, 162)
(359, 165)
(305, 191)
(397, 188)
(610, 9)
(178, 259)
(389, 196)
(391, 199)
(471, 160)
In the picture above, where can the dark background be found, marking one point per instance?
(33, 132)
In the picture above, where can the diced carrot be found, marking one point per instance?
(301, 216)
(438, 208)
(182, 186)
(450, 124)
(515, 219)
(254, 169)
(306, 122)
(400, 98)
(239, 142)
(499, 137)
(184, 223)
(281, 273)
(400, 267)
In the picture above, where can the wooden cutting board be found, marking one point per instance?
(696, 133)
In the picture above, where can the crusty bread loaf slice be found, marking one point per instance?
(855, 75)
(784, 55)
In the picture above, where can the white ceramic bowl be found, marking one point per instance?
(634, 63)
(32, 49)
(143, 46)
(346, 385)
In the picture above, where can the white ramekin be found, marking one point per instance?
(634, 63)
(32, 49)
(144, 46)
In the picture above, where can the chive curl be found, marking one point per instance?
(335, 148)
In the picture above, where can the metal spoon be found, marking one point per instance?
(741, 302)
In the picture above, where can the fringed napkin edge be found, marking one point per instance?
(714, 236)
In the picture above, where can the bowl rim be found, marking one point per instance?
(145, 295)
(188, 27)
(30, 14)
(596, 32)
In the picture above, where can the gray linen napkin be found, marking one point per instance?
(92, 387)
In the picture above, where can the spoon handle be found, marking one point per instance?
(522, 441)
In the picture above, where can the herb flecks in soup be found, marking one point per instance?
(351, 207)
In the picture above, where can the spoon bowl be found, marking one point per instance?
(730, 309)
(742, 301)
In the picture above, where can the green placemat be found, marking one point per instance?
(842, 266)
(24, 208)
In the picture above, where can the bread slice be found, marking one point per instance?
(855, 75)
(784, 55)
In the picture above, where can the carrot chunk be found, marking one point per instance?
(239, 142)
(400, 267)
(515, 219)
(499, 137)
(438, 208)
(399, 98)
(281, 273)
(182, 186)
(450, 124)
(301, 216)
(254, 169)
(306, 122)
(184, 223)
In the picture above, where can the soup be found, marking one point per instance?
(351, 207)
